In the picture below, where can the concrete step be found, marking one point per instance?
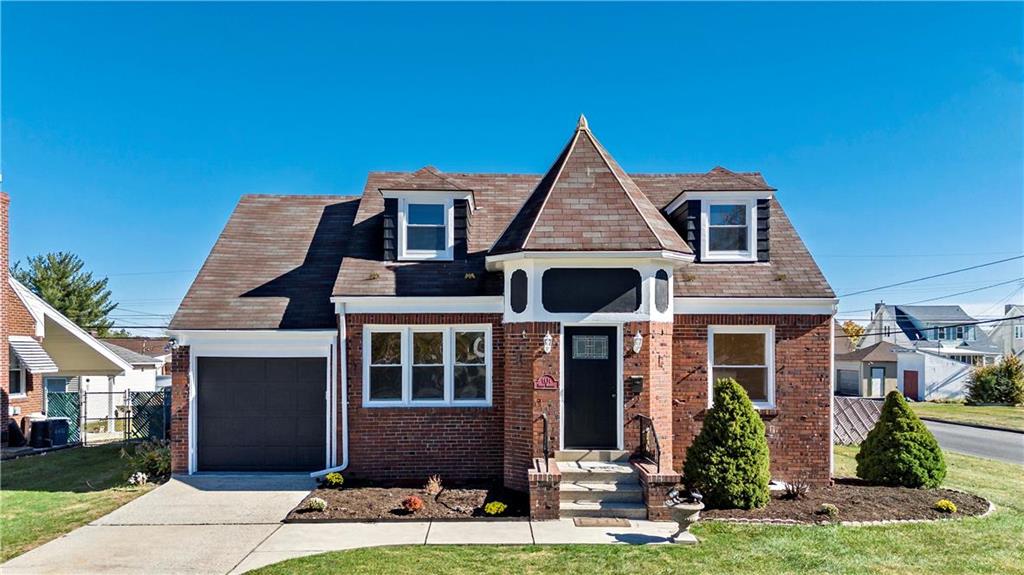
(615, 455)
(623, 509)
(597, 472)
(601, 492)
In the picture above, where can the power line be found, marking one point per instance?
(934, 276)
(952, 295)
(908, 255)
(944, 326)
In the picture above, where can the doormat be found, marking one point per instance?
(600, 522)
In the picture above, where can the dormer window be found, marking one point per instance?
(425, 229)
(728, 231)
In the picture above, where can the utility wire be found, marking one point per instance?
(933, 276)
(945, 326)
(951, 295)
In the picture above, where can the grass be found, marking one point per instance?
(974, 545)
(45, 496)
(1005, 416)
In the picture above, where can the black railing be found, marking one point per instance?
(649, 439)
(546, 442)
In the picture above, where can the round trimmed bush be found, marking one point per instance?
(728, 461)
(899, 449)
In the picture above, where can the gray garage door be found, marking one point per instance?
(849, 382)
(261, 414)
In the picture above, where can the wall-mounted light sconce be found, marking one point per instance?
(524, 335)
(549, 342)
(638, 342)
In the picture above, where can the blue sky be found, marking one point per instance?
(894, 132)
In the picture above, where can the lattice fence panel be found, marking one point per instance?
(66, 404)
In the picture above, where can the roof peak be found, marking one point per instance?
(582, 123)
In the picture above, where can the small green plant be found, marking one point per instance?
(152, 458)
(796, 490)
(412, 504)
(316, 504)
(334, 480)
(945, 506)
(829, 510)
(495, 508)
(433, 486)
(899, 450)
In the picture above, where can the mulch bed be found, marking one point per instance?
(370, 503)
(858, 501)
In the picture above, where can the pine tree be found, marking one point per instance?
(728, 461)
(899, 449)
(58, 279)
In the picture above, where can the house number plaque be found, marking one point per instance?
(545, 382)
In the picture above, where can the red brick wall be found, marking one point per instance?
(654, 364)
(18, 321)
(798, 430)
(5, 201)
(411, 443)
(179, 409)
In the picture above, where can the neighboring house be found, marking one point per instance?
(1008, 335)
(927, 376)
(158, 348)
(106, 396)
(444, 322)
(939, 329)
(46, 349)
(869, 371)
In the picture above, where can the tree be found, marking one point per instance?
(899, 449)
(728, 461)
(1001, 382)
(58, 279)
(854, 331)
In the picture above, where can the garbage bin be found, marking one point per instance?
(59, 427)
(39, 435)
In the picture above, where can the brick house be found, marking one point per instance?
(540, 330)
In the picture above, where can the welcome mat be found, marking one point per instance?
(600, 522)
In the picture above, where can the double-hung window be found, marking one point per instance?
(427, 366)
(16, 378)
(729, 230)
(426, 230)
(1018, 332)
(746, 354)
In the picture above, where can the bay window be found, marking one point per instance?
(427, 366)
(746, 354)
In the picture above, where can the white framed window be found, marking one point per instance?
(427, 365)
(728, 230)
(745, 353)
(1018, 331)
(16, 378)
(425, 230)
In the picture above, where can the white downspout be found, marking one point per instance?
(343, 361)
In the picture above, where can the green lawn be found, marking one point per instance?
(988, 545)
(997, 415)
(45, 496)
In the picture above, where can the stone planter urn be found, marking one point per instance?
(685, 511)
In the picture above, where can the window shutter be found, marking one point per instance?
(691, 229)
(390, 229)
(461, 228)
(763, 226)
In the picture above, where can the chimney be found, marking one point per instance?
(879, 305)
(1006, 309)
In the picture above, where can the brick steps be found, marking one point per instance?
(586, 491)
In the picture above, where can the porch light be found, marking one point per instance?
(549, 342)
(638, 342)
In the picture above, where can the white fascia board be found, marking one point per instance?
(256, 341)
(706, 195)
(611, 257)
(44, 310)
(399, 304)
(755, 305)
(433, 195)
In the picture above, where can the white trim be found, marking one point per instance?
(619, 392)
(723, 195)
(448, 203)
(747, 255)
(768, 331)
(399, 304)
(59, 318)
(21, 377)
(755, 305)
(406, 365)
(494, 262)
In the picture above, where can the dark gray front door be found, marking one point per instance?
(261, 414)
(591, 385)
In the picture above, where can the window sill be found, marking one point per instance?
(427, 405)
(767, 412)
(18, 396)
(728, 259)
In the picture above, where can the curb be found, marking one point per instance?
(975, 425)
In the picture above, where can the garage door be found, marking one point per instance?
(261, 414)
(849, 382)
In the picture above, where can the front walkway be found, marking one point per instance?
(232, 523)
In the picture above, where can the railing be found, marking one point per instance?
(649, 437)
(546, 442)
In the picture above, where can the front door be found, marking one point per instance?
(877, 381)
(591, 386)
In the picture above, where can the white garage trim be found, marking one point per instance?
(259, 343)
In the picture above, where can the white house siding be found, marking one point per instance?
(938, 377)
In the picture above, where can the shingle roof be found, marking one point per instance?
(129, 355)
(587, 202)
(273, 266)
(151, 346)
(426, 178)
(881, 351)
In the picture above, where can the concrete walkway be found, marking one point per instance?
(232, 523)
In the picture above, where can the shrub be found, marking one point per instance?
(152, 458)
(728, 461)
(334, 480)
(433, 486)
(412, 504)
(495, 508)
(829, 510)
(316, 504)
(138, 478)
(796, 490)
(1002, 382)
(945, 506)
(899, 449)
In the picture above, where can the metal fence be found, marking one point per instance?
(130, 415)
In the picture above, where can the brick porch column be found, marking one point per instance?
(179, 409)
(654, 364)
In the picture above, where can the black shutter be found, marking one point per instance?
(686, 221)
(461, 230)
(763, 227)
(390, 231)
